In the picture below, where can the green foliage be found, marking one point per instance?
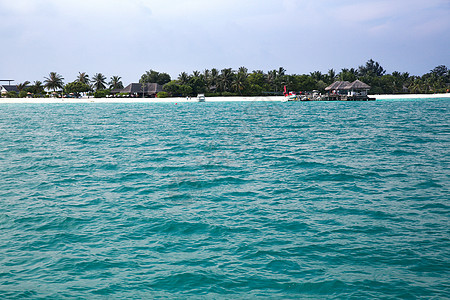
(305, 83)
(255, 90)
(441, 71)
(101, 93)
(257, 78)
(99, 81)
(54, 81)
(22, 86)
(348, 75)
(173, 88)
(229, 82)
(83, 77)
(76, 87)
(371, 68)
(320, 86)
(197, 84)
(183, 78)
(162, 95)
(186, 90)
(155, 77)
(37, 89)
(229, 94)
(115, 83)
(23, 94)
(213, 94)
(12, 94)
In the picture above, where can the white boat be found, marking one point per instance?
(201, 98)
(292, 97)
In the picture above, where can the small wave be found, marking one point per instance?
(343, 177)
(255, 200)
(433, 206)
(428, 184)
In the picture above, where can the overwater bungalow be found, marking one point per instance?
(348, 91)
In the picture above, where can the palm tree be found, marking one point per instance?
(207, 77)
(280, 79)
(83, 78)
(54, 81)
(38, 85)
(372, 68)
(23, 85)
(38, 88)
(184, 78)
(331, 76)
(347, 74)
(272, 79)
(281, 71)
(214, 77)
(99, 81)
(226, 79)
(317, 75)
(116, 83)
(240, 80)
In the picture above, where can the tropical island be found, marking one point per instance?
(229, 82)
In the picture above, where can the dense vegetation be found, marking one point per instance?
(241, 82)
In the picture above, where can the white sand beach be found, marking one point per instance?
(193, 99)
(410, 96)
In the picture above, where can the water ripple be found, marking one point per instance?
(230, 200)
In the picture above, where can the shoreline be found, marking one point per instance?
(194, 100)
(410, 96)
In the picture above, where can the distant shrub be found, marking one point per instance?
(11, 94)
(212, 94)
(162, 95)
(228, 94)
(23, 94)
(186, 90)
(101, 93)
(376, 91)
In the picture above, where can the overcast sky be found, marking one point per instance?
(128, 37)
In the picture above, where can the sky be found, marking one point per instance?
(129, 37)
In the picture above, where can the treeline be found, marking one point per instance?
(242, 82)
(96, 86)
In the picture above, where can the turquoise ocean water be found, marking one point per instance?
(225, 200)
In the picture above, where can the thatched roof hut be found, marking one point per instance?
(148, 90)
(358, 85)
(132, 88)
(346, 86)
(337, 85)
(344, 90)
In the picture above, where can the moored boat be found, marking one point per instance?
(201, 98)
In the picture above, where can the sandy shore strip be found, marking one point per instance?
(410, 96)
(194, 99)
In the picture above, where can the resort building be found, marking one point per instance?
(338, 88)
(147, 90)
(348, 91)
(8, 88)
